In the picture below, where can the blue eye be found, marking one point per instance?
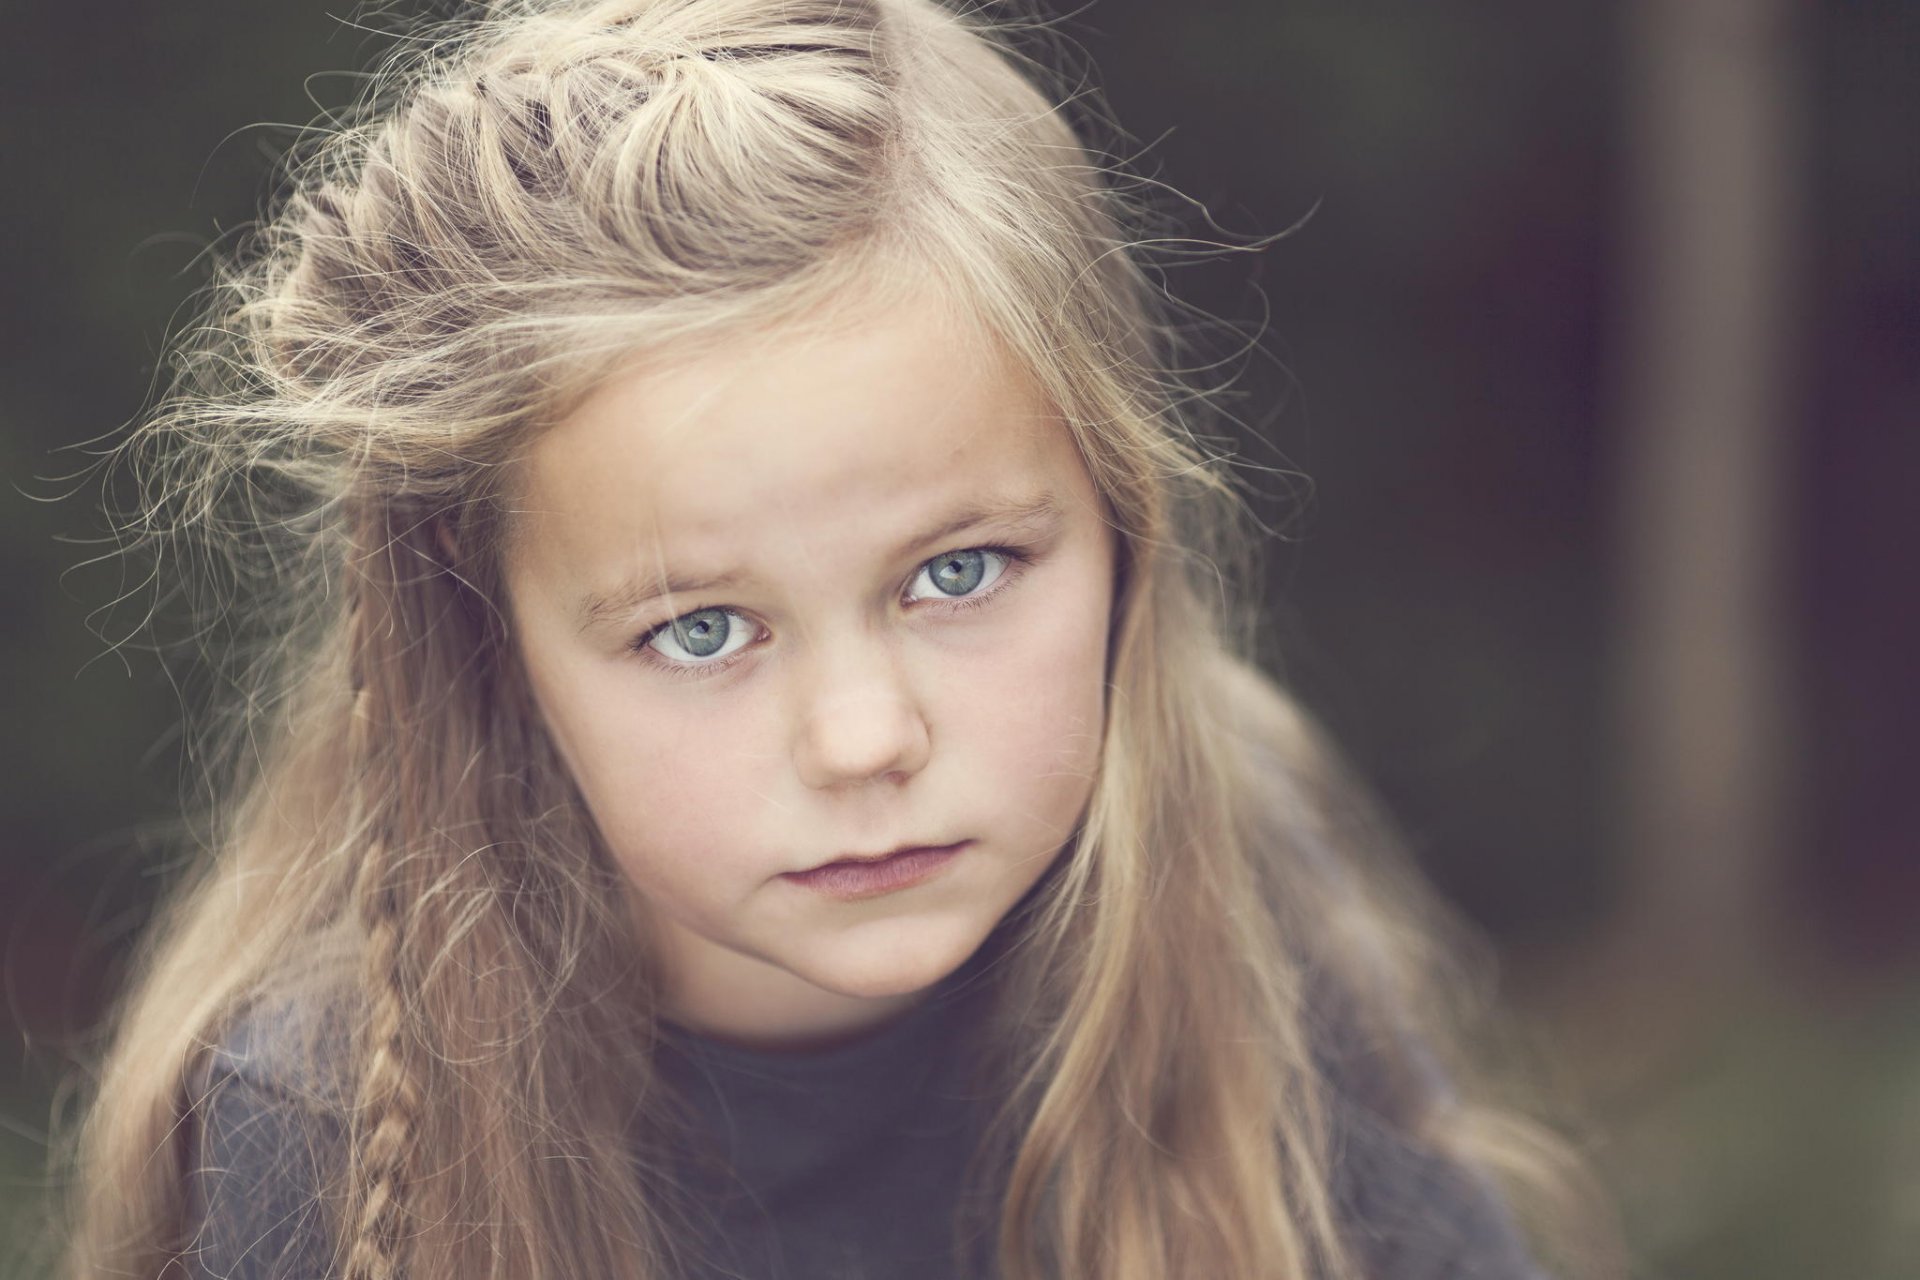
(702, 642)
(958, 574)
(701, 637)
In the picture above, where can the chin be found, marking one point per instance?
(875, 969)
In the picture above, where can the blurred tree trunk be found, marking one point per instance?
(1706, 399)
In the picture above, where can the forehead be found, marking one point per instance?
(881, 422)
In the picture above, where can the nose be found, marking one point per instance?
(859, 720)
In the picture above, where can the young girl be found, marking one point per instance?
(752, 767)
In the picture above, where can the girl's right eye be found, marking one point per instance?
(696, 642)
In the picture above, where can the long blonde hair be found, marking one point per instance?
(519, 202)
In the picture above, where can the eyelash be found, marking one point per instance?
(1017, 562)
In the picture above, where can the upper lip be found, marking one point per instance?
(876, 857)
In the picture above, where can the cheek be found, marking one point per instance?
(665, 788)
(1035, 710)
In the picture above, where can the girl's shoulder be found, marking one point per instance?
(266, 1143)
(297, 1042)
(1416, 1213)
(1412, 1209)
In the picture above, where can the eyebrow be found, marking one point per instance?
(1027, 515)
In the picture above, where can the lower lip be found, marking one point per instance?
(851, 881)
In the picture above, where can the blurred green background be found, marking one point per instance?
(1598, 343)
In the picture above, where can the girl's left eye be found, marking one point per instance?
(704, 638)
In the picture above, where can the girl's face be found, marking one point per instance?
(891, 593)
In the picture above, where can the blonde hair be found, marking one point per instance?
(518, 205)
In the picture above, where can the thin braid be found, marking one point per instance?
(389, 1095)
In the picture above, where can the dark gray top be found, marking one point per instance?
(840, 1164)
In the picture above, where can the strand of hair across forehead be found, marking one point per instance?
(389, 1102)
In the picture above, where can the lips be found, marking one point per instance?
(852, 859)
(877, 877)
